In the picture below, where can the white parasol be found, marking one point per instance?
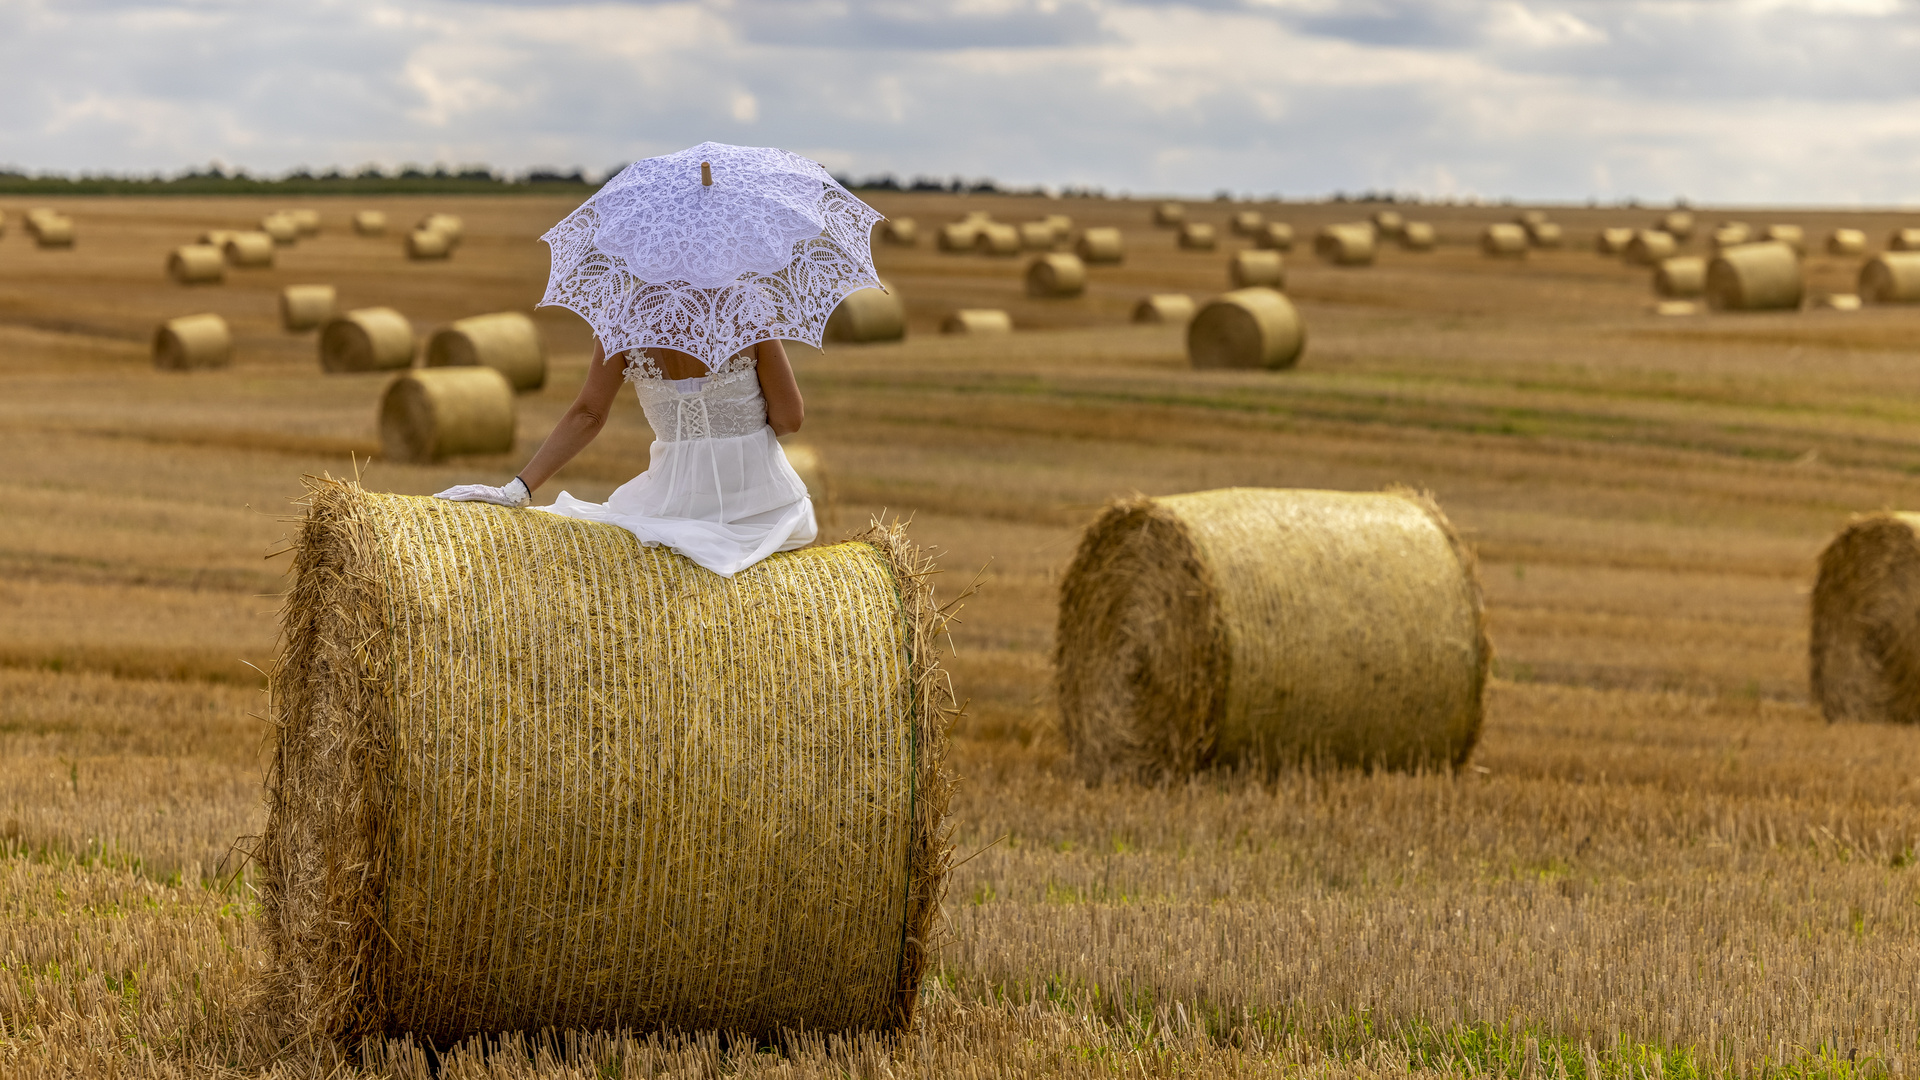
(712, 250)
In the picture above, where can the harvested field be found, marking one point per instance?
(1660, 860)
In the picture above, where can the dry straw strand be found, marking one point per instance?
(1864, 644)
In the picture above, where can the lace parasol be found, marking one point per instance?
(711, 250)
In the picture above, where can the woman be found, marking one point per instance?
(718, 488)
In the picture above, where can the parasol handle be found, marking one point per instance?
(706, 174)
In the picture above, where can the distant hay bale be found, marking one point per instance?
(1545, 234)
(308, 221)
(1504, 240)
(49, 228)
(997, 239)
(1904, 240)
(369, 223)
(1793, 236)
(516, 789)
(1864, 644)
(1345, 245)
(900, 232)
(218, 238)
(506, 341)
(1100, 246)
(1674, 308)
(1677, 224)
(1731, 234)
(1198, 236)
(192, 341)
(868, 315)
(449, 225)
(1612, 241)
(1246, 328)
(1246, 222)
(1170, 215)
(196, 264)
(1261, 628)
(1168, 308)
(429, 414)
(369, 339)
(1891, 277)
(1062, 226)
(957, 237)
(1846, 242)
(1528, 219)
(428, 244)
(1755, 277)
(977, 321)
(281, 227)
(811, 466)
(1649, 246)
(1274, 236)
(1037, 235)
(1245, 269)
(251, 250)
(1681, 277)
(1389, 223)
(1056, 276)
(303, 307)
(1840, 301)
(1418, 236)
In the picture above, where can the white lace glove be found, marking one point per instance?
(514, 494)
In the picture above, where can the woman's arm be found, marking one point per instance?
(785, 410)
(582, 421)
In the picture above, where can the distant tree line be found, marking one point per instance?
(368, 180)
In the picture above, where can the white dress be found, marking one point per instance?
(718, 488)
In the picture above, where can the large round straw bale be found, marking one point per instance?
(281, 227)
(868, 315)
(1198, 236)
(432, 413)
(369, 223)
(900, 232)
(957, 236)
(1864, 645)
(977, 321)
(1680, 277)
(506, 341)
(1649, 246)
(1037, 235)
(533, 774)
(1345, 245)
(1731, 234)
(1677, 224)
(1793, 236)
(1258, 627)
(1246, 328)
(1174, 308)
(1100, 246)
(1274, 236)
(1504, 240)
(1246, 269)
(454, 229)
(1891, 277)
(1389, 223)
(1545, 234)
(1062, 226)
(1056, 276)
(1612, 241)
(428, 244)
(369, 339)
(1246, 222)
(303, 307)
(1904, 240)
(1846, 242)
(1170, 215)
(998, 239)
(811, 466)
(194, 264)
(308, 221)
(1755, 277)
(249, 249)
(1418, 236)
(192, 341)
(51, 230)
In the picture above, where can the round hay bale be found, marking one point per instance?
(253, 250)
(1677, 224)
(1649, 246)
(1057, 276)
(307, 221)
(1062, 226)
(196, 264)
(957, 237)
(1793, 236)
(1245, 269)
(1258, 627)
(1846, 242)
(1731, 234)
(192, 341)
(1904, 240)
(868, 315)
(218, 238)
(1755, 277)
(1418, 236)
(1037, 235)
(1680, 277)
(1612, 241)
(598, 790)
(430, 414)
(977, 321)
(281, 227)
(1528, 219)
(1274, 236)
(1389, 223)
(51, 230)
(811, 467)
(900, 232)
(1345, 245)
(505, 341)
(1246, 222)
(1100, 246)
(369, 339)
(1170, 308)
(303, 307)
(1891, 277)
(1198, 236)
(1840, 301)
(1246, 328)
(369, 223)
(428, 244)
(1545, 234)
(1504, 240)
(1864, 644)
(997, 239)
(449, 225)
(1170, 215)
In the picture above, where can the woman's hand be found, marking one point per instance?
(514, 494)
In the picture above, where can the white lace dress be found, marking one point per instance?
(718, 488)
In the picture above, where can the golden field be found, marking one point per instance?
(1661, 861)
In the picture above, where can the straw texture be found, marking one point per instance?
(1864, 646)
(1056, 276)
(1198, 236)
(1755, 277)
(1171, 308)
(532, 774)
(1245, 269)
(303, 307)
(192, 341)
(1100, 246)
(196, 264)
(1680, 277)
(506, 341)
(1504, 240)
(369, 223)
(434, 413)
(1345, 245)
(1891, 277)
(1846, 242)
(367, 339)
(1262, 627)
(977, 321)
(868, 315)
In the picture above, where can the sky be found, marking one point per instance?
(1809, 102)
